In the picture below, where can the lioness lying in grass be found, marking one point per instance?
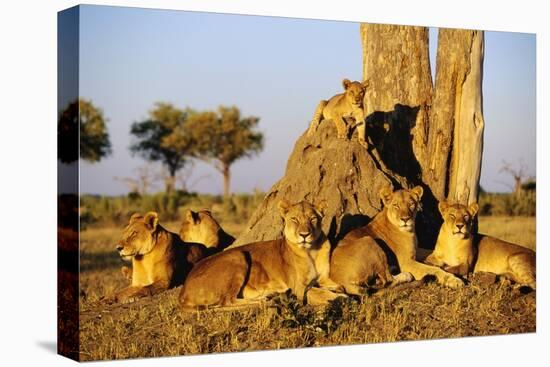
(357, 257)
(160, 259)
(246, 275)
(460, 251)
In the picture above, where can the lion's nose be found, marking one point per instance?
(304, 234)
(119, 248)
(406, 219)
(459, 226)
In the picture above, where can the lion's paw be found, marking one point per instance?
(454, 282)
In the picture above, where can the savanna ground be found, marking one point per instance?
(157, 327)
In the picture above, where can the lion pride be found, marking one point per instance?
(357, 257)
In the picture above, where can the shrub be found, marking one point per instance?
(117, 209)
(508, 204)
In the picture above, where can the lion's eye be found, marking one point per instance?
(452, 216)
(466, 218)
(412, 205)
(295, 220)
(313, 219)
(396, 206)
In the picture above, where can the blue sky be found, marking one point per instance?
(132, 58)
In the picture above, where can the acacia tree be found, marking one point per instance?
(83, 121)
(434, 138)
(223, 137)
(164, 138)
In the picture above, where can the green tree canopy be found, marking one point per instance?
(83, 116)
(164, 137)
(223, 137)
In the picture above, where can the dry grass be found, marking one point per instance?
(520, 230)
(157, 327)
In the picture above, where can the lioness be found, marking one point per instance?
(198, 227)
(357, 256)
(459, 251)
(160, 259)
(248, 274)
(347, 104)
(201, 227)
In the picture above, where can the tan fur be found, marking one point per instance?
(460, 251)
(454, 251)
(357, 257)
(344, 105)
(160, 260)
(357, 262)
(201, 227)
(198, 227)
(248, 274)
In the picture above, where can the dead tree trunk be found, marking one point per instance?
(455, 144)
(467, 146)
(414, 141)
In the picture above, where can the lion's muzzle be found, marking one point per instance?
(406, 224)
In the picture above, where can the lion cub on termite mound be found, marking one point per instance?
(347, 104)
(248, 274)
(459, 251)
(357, 258)
(160, 259)
(201, 227)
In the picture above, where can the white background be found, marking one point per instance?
(28, 180)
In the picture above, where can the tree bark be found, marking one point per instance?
(456, 135)
(467, 150)
(170, 181)
(417, 135)
(396, 61)
(226, 172)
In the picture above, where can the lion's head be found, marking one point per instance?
(302, 223)
(138, 237)
(458, 218)
(355, 91)
(402, 206)
(200, 227)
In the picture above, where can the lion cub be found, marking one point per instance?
(248, 274)
(347, 104)
(160, 259)
(459, 251)
(201, 227)
(358, 257)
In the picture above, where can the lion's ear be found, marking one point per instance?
(443, 205)
(283, 206)
(346, 83)
(206, 211)
(135, 217)
(386, 194)
(151, 221)
(191, 216)
(321, 207)
(365, 83)
(473, 208)
(418, 191)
